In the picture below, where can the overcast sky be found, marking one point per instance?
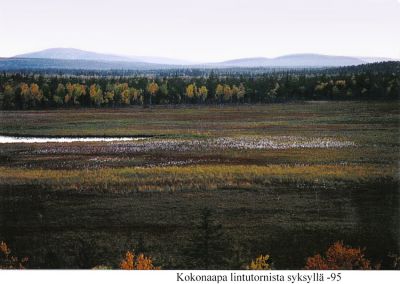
(203, 30)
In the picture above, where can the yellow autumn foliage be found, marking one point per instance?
(260, 263)
(139, 262)
(190, 177)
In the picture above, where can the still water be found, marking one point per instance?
(21, 139)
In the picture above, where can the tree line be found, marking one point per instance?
(379, 81)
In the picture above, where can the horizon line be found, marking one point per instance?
(194, 61)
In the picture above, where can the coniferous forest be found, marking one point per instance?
(30, 89)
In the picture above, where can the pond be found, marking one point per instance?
(22, 139)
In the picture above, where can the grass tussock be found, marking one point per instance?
(191, 177)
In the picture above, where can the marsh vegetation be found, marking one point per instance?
(284, 180)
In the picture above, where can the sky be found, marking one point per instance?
(203, 30)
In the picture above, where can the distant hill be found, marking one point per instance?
(72, 54)
(71, 58)
(44, 63)
(295, 60)
(77, 54)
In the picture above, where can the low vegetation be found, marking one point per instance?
(139, 262)
(9, 261)
(339, 256)
(284, 180)
(199, 177)
(260, 263)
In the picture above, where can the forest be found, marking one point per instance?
(116, 88)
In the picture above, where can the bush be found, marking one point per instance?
(8, 261)
(260, 263)
(141, 262)
(339, 256)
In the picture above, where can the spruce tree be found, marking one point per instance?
(208, 246)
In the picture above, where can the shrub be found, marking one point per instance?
(339, 256)
(140, 262)
(8, 261)
(260, 263)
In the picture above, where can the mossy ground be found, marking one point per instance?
(80, 205)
